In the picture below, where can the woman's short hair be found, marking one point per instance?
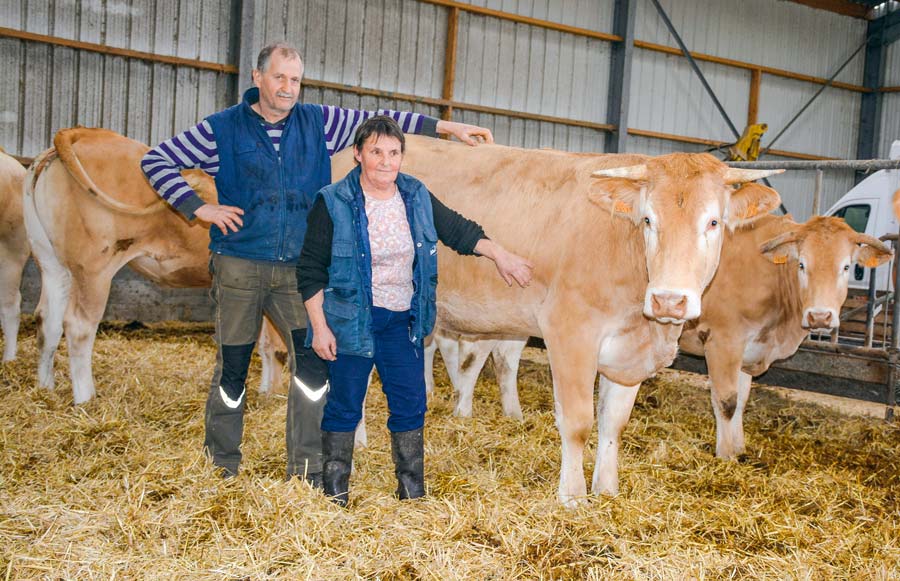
(380, 125)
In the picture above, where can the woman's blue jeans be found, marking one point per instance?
(400, 366)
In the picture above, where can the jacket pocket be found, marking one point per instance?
(343, 261)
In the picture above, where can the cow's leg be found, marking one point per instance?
(573, 361)
(614, 404)
(361, 436)
(90, 292)
(56, 282)
(56, 285)
(430, 348)
(729, 390)
(472, 355)
(267, 348)
(11, 267)
(506, 355)
(449, 348)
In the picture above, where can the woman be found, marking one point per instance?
(368, 272)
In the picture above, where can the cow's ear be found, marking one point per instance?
(749, 203)
(618, 190)
(781, 248)
(872, 251)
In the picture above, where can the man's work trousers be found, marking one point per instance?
(243, 290)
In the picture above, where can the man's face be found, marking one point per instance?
(279, 85)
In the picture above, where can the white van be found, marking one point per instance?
(868, 208)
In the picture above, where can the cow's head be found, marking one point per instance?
(682, 202)
(821, 252)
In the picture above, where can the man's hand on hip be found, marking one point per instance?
(225, 217)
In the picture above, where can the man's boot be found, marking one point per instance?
(408, 452)
(337, 453)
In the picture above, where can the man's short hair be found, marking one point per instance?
(379, 125)
(282, 48)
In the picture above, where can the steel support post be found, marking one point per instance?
(620, 76)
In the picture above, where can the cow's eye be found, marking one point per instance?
(846, 268)
(713, 223)
(646, 220)
(802, 266)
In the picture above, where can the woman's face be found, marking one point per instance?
(380, 159)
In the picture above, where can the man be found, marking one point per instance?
(269, 156)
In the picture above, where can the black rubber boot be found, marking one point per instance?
(408, 452)
(337, 454)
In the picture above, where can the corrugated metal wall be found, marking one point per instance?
(399, 46)
(46, 87)
(890, 105)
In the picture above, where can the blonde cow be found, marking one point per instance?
(89, 211)
(14, 251)
(623, 248)
(778, 280)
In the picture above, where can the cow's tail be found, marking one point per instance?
(64, 142)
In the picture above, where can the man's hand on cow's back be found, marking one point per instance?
(225, 217)
(468, 134)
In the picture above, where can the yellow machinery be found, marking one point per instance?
(747, 147)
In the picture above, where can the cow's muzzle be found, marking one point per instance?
(818, 318)
(668, 306)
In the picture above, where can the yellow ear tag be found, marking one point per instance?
(622, 207)
(780, 259)
(871, 262)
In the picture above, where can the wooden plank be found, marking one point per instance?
(753, 103)
(97, 47)
(537, 22)
(749, 66)
(715, 143)
(450, 54)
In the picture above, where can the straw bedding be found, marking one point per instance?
(118, 488)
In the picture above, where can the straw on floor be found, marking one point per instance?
(119, 489)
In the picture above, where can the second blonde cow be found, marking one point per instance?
(623, 247)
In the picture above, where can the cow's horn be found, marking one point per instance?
(739, 176)
(860, 238)
(785, 238)
(632, 172)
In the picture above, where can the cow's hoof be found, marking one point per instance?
(572, 502)
(515, 414)
(462, 413)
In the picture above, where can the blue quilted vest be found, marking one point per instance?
(275, 189)
(348, 296)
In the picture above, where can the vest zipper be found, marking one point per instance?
(283, 209)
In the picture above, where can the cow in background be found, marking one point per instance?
(88, 212)
(14, 251)
(623, 247)
(763, 304)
